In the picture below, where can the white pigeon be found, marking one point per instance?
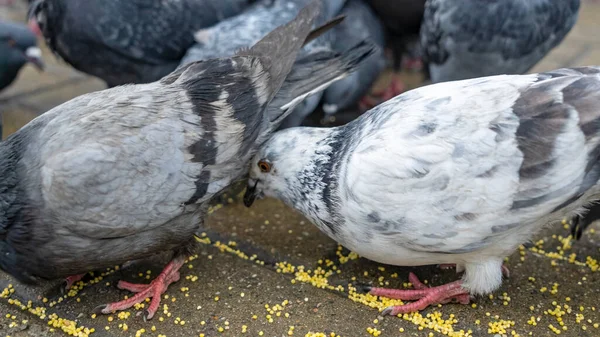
(452, 173)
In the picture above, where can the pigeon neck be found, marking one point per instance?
(313, 190)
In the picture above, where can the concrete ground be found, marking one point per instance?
(266, 271)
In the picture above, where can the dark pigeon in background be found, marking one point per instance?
(128, 172)
(133, 41)
(360, 23)
(402, 20)
(18, 46)
(464, 39)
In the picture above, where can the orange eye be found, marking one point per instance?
(264, 166)
(12, 42)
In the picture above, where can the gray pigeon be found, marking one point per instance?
(472, 38)
(128, 172)
(18, 46)
(452, 173)
(360, 23)
(120, 42)
(243, 30)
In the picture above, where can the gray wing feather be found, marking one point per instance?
(278, 50)
(564, 106)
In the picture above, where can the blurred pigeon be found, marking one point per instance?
(360, 23)
(403, 19)
(243, 30)
(18, 46)
(581, 222)
(134, 41)
(452, 173)
(124, 173)
(471, 38)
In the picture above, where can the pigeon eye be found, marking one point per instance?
(12, 42)
(264, 166)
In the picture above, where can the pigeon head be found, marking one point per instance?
(285, 162)
(18, 46)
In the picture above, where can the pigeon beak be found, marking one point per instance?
(250, 194)
(34, 56)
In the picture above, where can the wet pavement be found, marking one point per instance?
(266, 271)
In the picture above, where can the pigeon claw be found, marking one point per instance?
(155, 289)
(422, 296)
(576, 230)
(147, 315)
(363, 288)
(395, 88)
(387, 311)
(71, 280)
(100, 309)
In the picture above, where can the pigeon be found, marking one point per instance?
(243, 30)
(581, 222)
(464, 39)
(361, 22)
(460, 172)
(122, 42)
(127, 172)
(18, 46)
(402, 20)
(401, 17)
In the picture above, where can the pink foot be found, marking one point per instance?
(155, 289)
(422, 295)
(395, 88)
(412, 63)
(7, 2)
(70, 281)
